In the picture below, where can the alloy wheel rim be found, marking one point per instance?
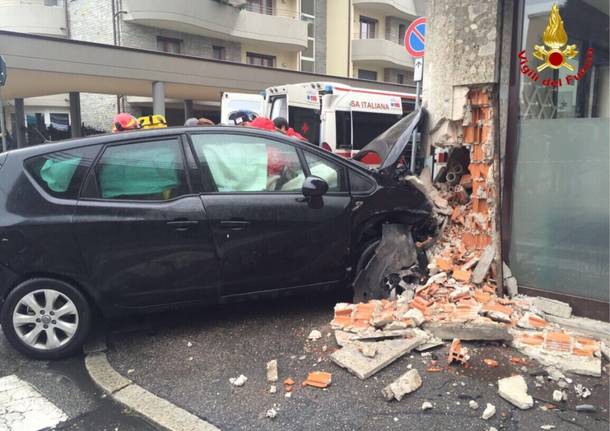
(45, 319)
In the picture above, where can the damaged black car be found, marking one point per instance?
(145, 220)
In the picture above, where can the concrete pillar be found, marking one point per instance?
(158, 94)
(75, 117)
(20, 123)
(188, 109)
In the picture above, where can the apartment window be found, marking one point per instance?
(367, 28)
(308, 55)
(167, 44)
(371, 75)
(219, 52)
(260, 59)
(52, 3)
(400, 78)
(402, 29)
(260, 6)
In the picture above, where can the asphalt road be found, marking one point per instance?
(188, 357)
(68, 387)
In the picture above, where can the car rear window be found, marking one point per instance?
(61, 173)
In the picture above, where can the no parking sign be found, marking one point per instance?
(415, 38)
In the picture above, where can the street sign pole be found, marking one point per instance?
(2, 125)
(415, 43)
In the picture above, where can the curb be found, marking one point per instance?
(124, 391)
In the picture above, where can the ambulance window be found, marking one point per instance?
(343, 122)
(306, 122)
(279, 107)
(369, 125)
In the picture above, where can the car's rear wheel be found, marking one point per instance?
(45, 318)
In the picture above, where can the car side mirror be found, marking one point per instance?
(314, 187)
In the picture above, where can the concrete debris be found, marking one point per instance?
(589, 408)
(492, 429)
(489, 412)
(554, 374)
(367, 349)
(581, 391)
(314, 335)
(473, 404)
(426, 405)
(272, 389)
(272, 375)
(238, 381)
(318, 379)
(514, 390)
(405, 384)
(552, 307)
(387, 352)
(271, 413)
(482, 268)
(557, 396)
(468, 331)
(547, 427)
(490, 362)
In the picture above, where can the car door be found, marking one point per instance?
(268, 236)
(143, 234)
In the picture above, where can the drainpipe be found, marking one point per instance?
(349, 38)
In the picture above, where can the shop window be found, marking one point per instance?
(367, 28)
(260, 59)
(167, 44)
(559, 221)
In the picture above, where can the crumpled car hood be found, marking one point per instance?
(391, 144)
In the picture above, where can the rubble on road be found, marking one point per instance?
(271, 413)
(318, 379)
(426, 405)
(314, 335)
(514, 390)
(457, 353)
(489, 412)
(405, 384)
(238, 381)
(272, 375)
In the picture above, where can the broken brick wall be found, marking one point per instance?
(465, 91)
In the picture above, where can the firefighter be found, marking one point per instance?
(123, 122)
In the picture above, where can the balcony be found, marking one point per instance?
(277, 29)
(380, 53)
(408, 9)
(33, 16)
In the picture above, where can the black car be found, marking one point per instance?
(144, 220)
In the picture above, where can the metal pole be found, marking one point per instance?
(75, 115)
(414, 137)
(158, 94)
(2, 128)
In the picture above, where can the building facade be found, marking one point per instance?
(289, 34)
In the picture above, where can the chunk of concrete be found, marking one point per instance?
(557, 396)
(350, 358)
(475, 330)
(426, 405)
(314, 335)
(514, 390)
(482, 268)
(405, 384)
(272, 371)
(367, 349)
(552, 307)
(489, 411)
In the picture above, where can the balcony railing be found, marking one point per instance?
(364, 36)
(268, 10)
(50, 3)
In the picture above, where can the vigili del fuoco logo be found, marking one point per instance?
(555, 54)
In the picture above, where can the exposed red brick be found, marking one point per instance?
(456, 353)
(443, 264)
(490, 362)
(318, 379)
(461, 274)
(558, 341)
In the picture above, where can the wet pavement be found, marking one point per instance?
(67, 385)
(188, 357)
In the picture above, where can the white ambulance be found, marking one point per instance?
(338, 117)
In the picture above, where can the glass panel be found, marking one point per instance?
(248, 163)
(279, 107)
(309, 50)
(359, 183)
(310, 29)
(308, 7)
(367, 74)
(560, 212)
(327, 170)
(60, 174)
(143, 171)
(307, 66)
(60, 121)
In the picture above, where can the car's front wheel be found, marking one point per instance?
(46, 318)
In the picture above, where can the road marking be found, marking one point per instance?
(23, 408)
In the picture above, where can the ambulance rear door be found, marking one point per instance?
(232, 102)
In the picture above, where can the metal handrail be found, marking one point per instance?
(268, 10)
(358, 36)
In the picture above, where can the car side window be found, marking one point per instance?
(141, 171)
(327, 170)
(240, 163)
(61, 173)
(359, 183)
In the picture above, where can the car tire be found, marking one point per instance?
(368, 250)
(45, 318)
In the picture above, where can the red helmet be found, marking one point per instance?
(124, 121)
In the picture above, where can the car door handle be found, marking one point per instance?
(234, 224)
(182, 225)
